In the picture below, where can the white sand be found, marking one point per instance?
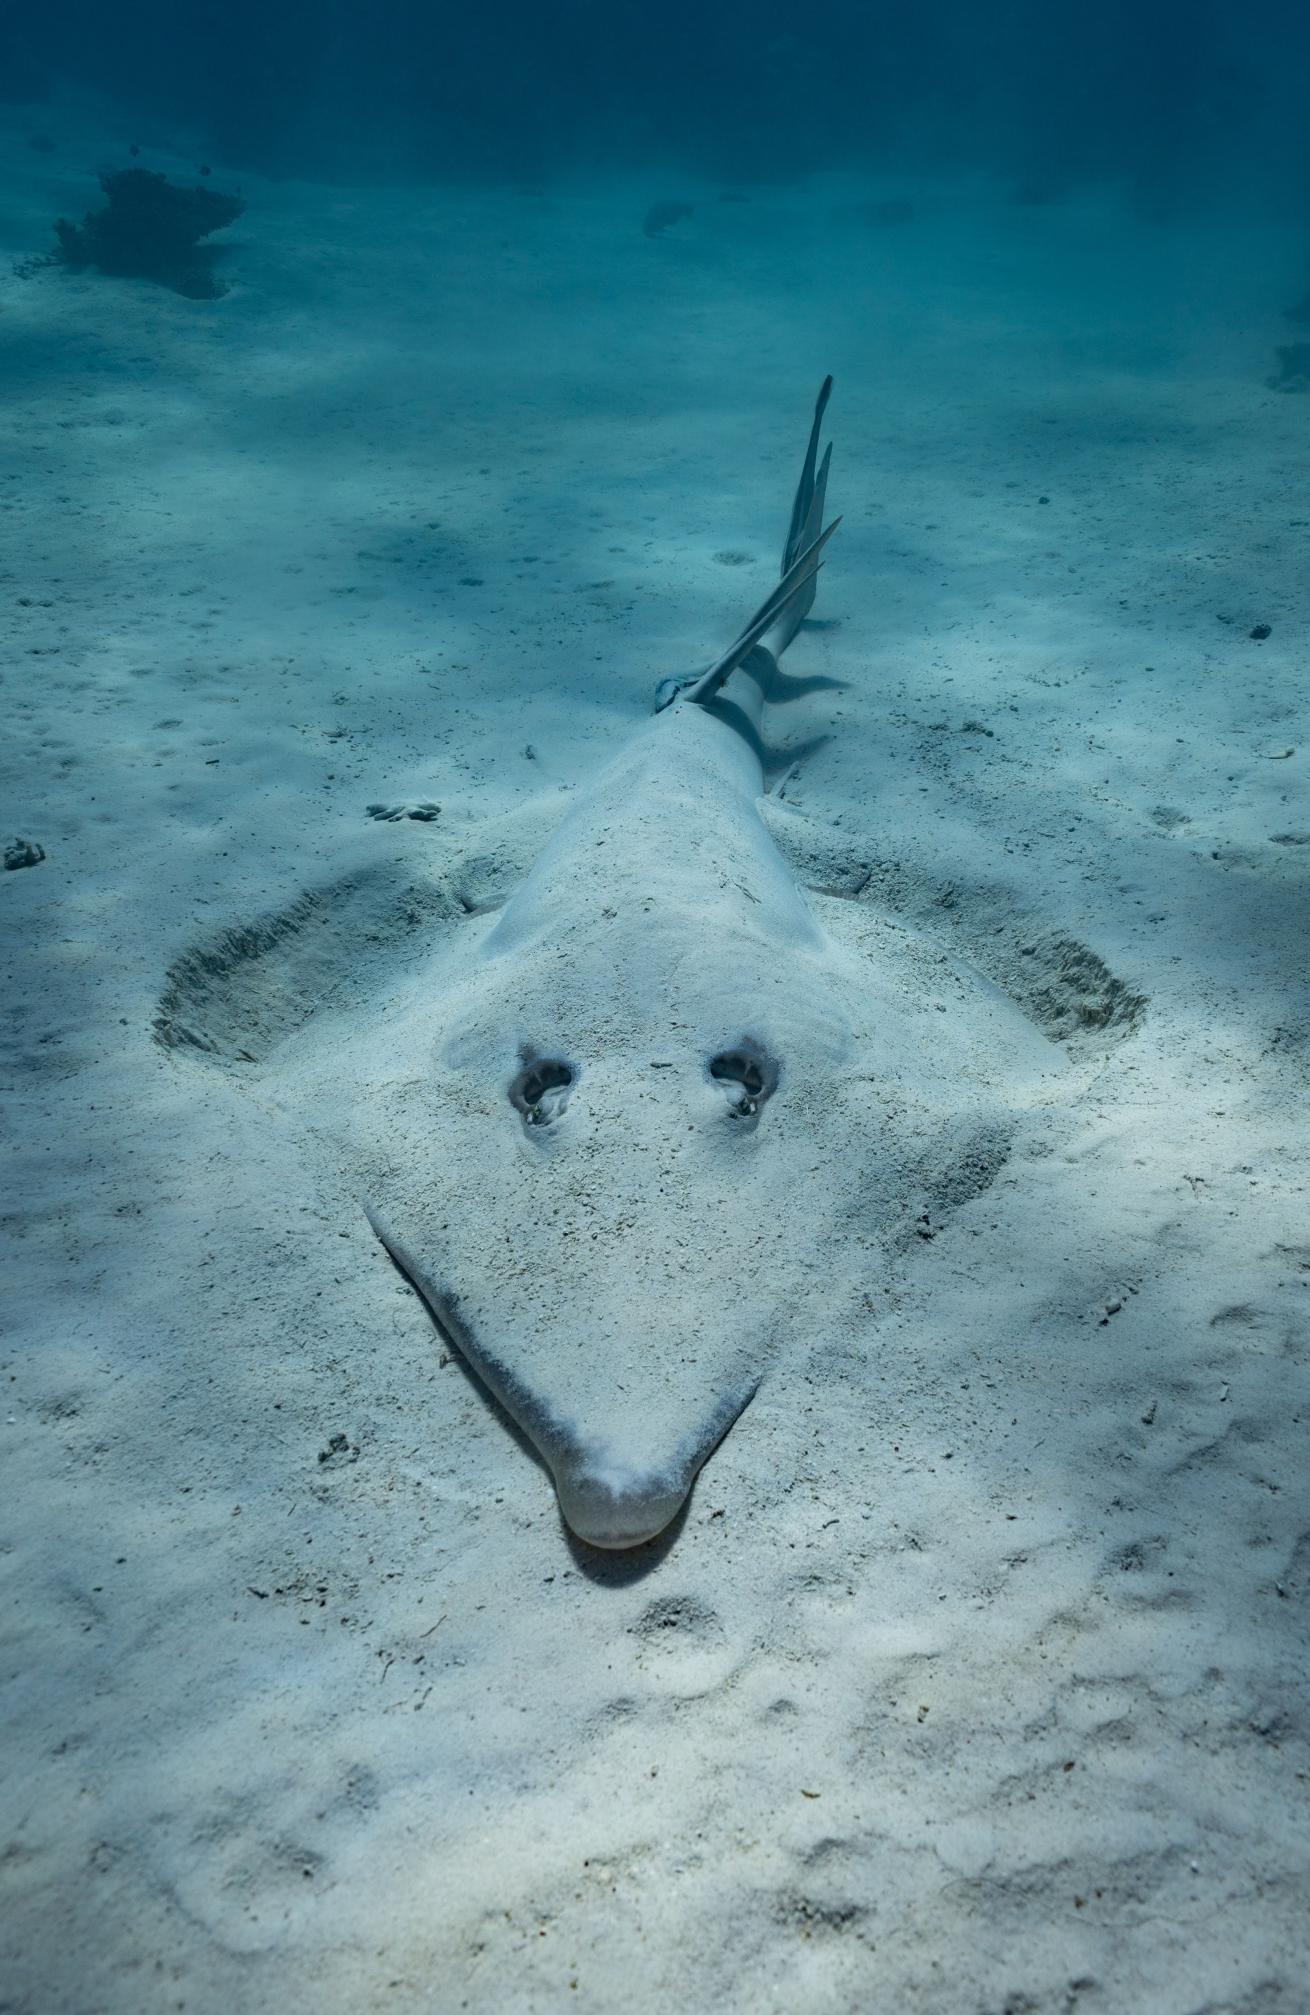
(975, 1680)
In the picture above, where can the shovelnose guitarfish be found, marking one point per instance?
(618, 1131)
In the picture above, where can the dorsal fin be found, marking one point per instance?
(806, 518)
(797, 584)
(781, 614)
(798, 537)
(800, 605)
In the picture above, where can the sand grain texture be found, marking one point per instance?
(975, 1680)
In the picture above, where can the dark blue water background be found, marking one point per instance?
(1187, 102)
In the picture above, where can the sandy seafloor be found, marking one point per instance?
(975, 1680)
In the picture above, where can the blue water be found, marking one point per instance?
(1185, 100)
(337, 554)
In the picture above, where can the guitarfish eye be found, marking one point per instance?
(541, 1090)
(747, 1075)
